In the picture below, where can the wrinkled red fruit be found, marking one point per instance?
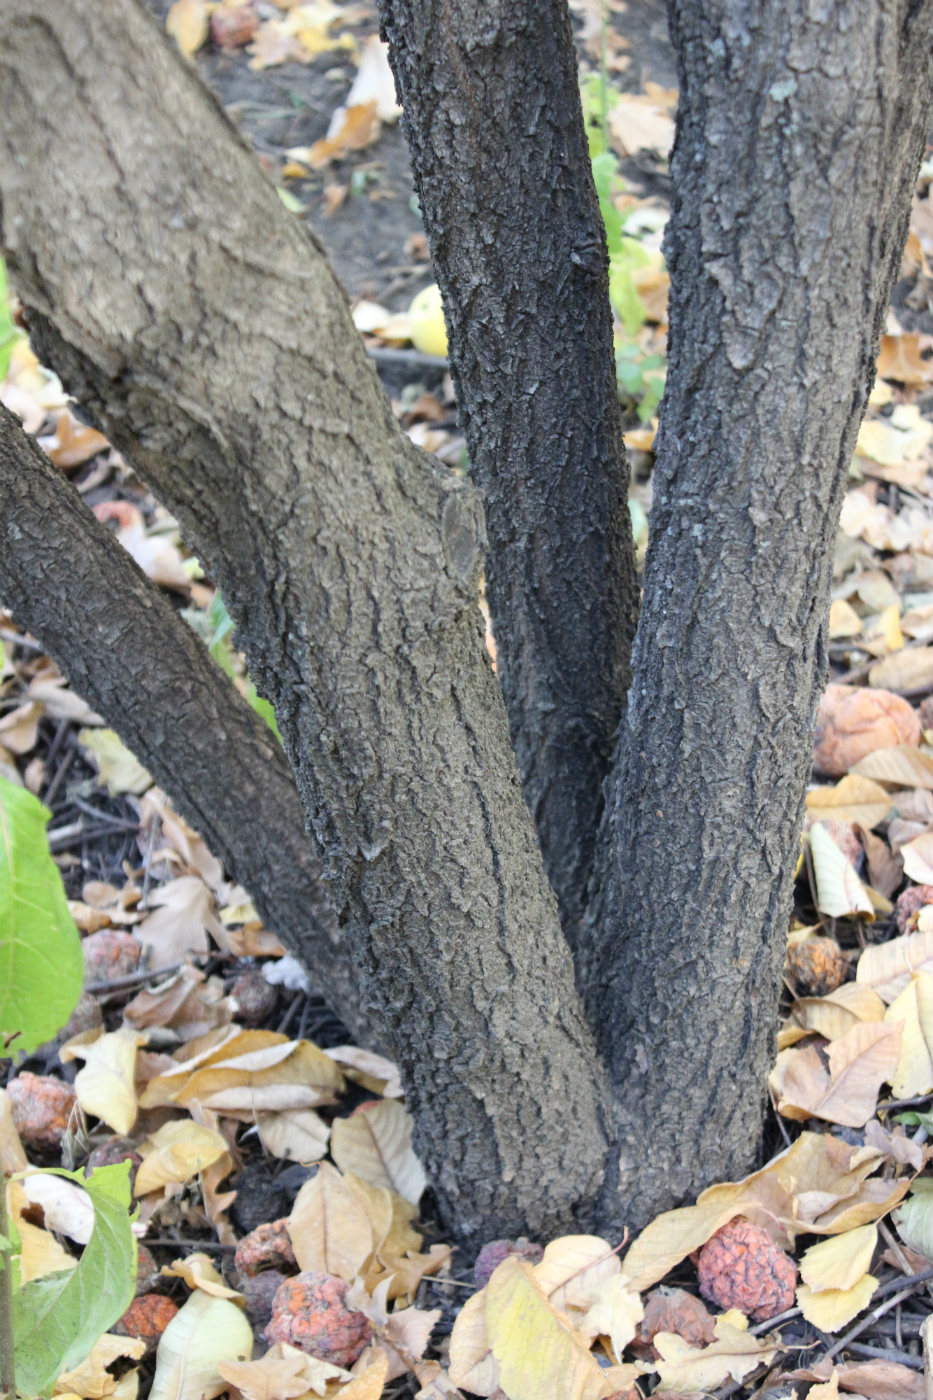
(267, 1247)
(41, 1107)
(741, 1267)
(309, 1312)
(491, 1256)
(146, 1318)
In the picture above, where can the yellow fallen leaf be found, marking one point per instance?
(284, 1373)
(684, 1369)
(914, 1010)
(888, 967)
(92, 1380)
(351, 129)
(918, 858)
(203, 1333)
(840, 893)
(853, 799)
(375, 1143)
(175, 1153)
(118, 770)
(905, 670)
(198, 1272)
(187, 22)
(835, 1014)
(903, 765)
(903, 437)
(472, 1364)
(537, 1352)
(329, 1226)
(615, 1312)
(105, 1086)
(847, 1093)
(40, 1252)
(901, 359)
(825, 1390)
(574, 1268)
(832, 1308)
(298, 1134)
(844, 621)
(840, 1262)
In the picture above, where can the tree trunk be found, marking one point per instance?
(499, 152)
(192, 314)
(799, 136)
(127, 651)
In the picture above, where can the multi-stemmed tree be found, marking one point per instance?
(560, 900)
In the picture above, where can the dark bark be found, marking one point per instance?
(126, 650)
(799, 136)
(499, 152)
(193, 315)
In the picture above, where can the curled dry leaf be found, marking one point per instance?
(175, 1153)
(93, 1380)
(888, 967)
(831, 1309)
(201, 1335)
(105, 1086)
(847, 1093)
(199, 1273)
(684, 1369)
(375, 1143)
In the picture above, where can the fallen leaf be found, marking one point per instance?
(901, 359)
(538, 1354)
(119, 771)
(105, 1086)
(888, 967)
(914, 1219)
(72, 442)
(375, 1143)
(283, 1373)
(902, 766)
(847, 1093)
(179, 1150)
(854, 799)
(839, 1262)
(351, 129)
(372, 1071)
(92, 1380)
(918, 858)
(184, 914)
(574, 1268)
(906, 670)
(840, 892)
(914, 1010)
(472, 1364)
(203, 1333)
(685, 1369)
(329, 1226)
(187, 22)
(834, 1015)
(298, 1134)
(832, 1308)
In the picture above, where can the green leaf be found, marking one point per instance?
(221, 649)
(41, 965)
(58, 1318)
(9, 333)
(914, 1219)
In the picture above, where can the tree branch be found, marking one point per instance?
(502, 169)
(182, 303)
(127, 651)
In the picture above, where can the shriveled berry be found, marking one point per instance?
(816, 966)
(41, 1107)
(909, 905)
(741, 1267)
(267, 1247)
(259, 1293)
(148, 1274)
(109, 954)
(491, 1256)
(147, 1318)
(110, 1153)
(674, 1310)
(256, 998)
(309, 1312)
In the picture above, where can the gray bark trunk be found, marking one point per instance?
(126, 650)
(193, 315)
(499, 152)
(799, 136)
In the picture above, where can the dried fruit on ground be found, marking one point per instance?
(109, 954)
(259, 1293)
(816, 966)
(741, 1267)
(42, 1107)
(115, 1149)
(309, 1312)
(267, 1247)
(674, 1310)
(256, 998)
(233, 25)
(853, 722)
(909, 905)
(146, 1318)
(148, 1273)
(491, 1256)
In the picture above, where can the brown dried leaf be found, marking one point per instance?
(859, 1063)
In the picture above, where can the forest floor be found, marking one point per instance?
(200, 1052)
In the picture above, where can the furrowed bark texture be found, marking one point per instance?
(194, 316)
(800, 132)
(126, 650)
(499, 152)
